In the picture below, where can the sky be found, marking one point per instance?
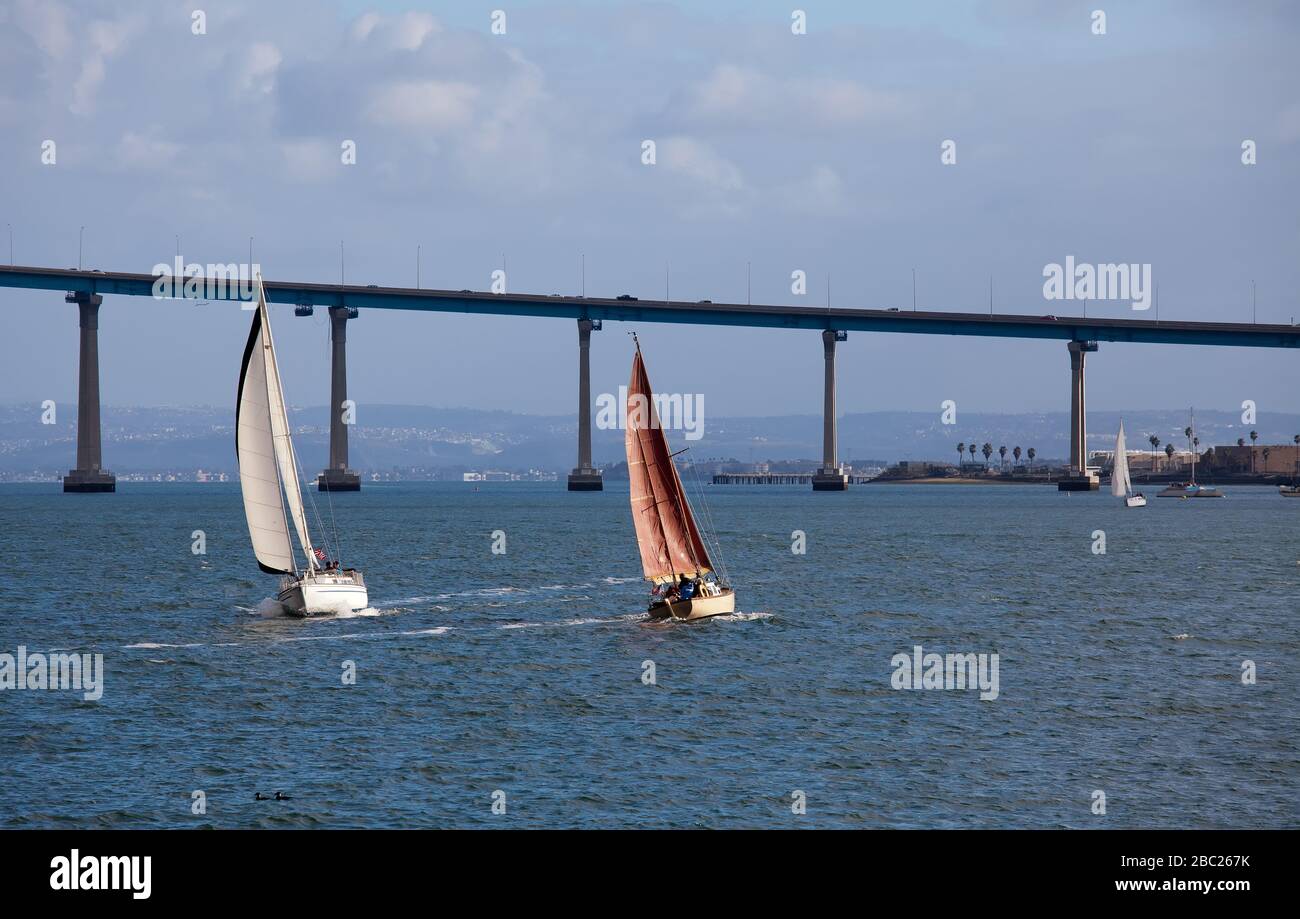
(775, 152)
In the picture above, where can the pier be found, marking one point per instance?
(783, 478)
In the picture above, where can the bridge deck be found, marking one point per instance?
(1064, 328)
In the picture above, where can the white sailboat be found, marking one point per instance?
(1121, 485)
(268, 477)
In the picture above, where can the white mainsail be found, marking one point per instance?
(1119, 477)
(268, 467)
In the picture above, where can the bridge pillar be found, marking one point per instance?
(831, 476)
(1080, 479)
(584, 476)
(88, 476)
(337, 476)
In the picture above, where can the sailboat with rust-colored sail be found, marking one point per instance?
(674, 557)
(268, 478)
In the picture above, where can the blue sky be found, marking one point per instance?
(817, 152)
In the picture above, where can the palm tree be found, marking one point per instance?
(1254, 436)
(1266, 452)
(1016, 451)
(972, 449)
(1241, 441)
(961, 451)
(1155, 443)
(1169, 454)
(1297, 459)
(987, 450)
(1002, 452)
(1032, 453)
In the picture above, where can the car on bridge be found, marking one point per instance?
(625, 297)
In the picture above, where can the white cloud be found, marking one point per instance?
(740, 95)
(146, 151)
(105, 39)
(405, 33)
(311, 160)
(425, 104)
(260, 65)
(46, 21)
(821, 193)
(700, 162)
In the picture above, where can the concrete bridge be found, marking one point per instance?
(88, 288)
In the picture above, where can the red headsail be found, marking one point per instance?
(665, 527)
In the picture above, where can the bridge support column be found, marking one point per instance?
(831, 475)
(584, 476)
(1080, 479)
(337, 476)
(88, 476)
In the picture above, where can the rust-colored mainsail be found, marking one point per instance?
(665, 527)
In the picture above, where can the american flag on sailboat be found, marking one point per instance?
(320, 553)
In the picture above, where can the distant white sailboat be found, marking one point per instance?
(268, 478)
(1121, 485)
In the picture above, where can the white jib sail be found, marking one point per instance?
(283, 443)
(259, 479)
(1119, 478)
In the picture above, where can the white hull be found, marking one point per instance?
(1190, 491)
(696, 607)
(1135, 501)
(324, 594)
(1289, 491)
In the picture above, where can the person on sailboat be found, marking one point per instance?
(686, 589)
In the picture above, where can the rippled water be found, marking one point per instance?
(522, 672)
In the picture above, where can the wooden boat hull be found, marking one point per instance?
(696, 607)
(324, 594)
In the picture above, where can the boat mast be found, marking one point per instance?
(285, 455)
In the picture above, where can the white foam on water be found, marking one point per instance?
(355, 613)
(440, 630)
(154, 645)
(588, 620)
(268, 608)
(1181, 636)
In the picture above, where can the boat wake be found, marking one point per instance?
(588, 620)
(745, 617)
